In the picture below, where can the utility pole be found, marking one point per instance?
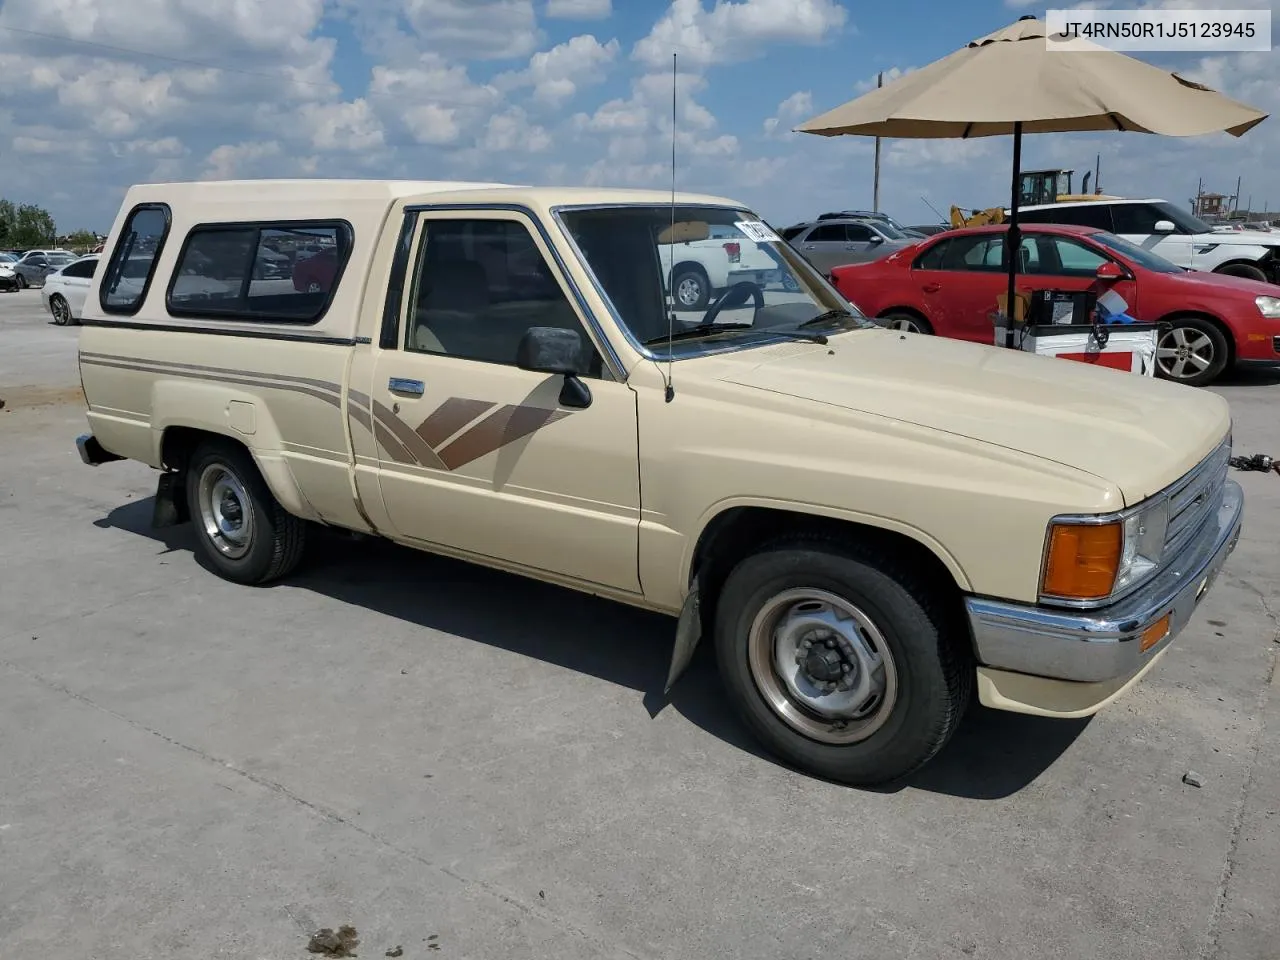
(875, 191)
(1248, 209)
(1235, 201)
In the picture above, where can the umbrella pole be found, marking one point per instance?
(1013, 241)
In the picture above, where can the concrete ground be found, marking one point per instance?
(424, 750)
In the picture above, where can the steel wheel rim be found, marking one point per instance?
(1185, 352)
(689, 291)
(776, 644)
(225, 511)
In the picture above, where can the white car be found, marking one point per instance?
(8, 277)
(1173, 233)
(64, 291)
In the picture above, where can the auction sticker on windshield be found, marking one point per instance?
(757, 231)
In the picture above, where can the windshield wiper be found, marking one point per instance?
(836, 314)
(710, 329)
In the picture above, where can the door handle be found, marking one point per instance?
(400, 385)
(809, 246)
(931, 287)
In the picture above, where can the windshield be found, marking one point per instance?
(1182, 219)
(1139, 255)
(727, 279)
(890, 229)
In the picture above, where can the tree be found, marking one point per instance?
(25, 225)
(82, 238)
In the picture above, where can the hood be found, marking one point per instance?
(1221, 284)
(1246, 238)
(1136, 432)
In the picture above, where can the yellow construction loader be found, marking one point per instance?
(1034, 187)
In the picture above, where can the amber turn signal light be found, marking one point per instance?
(1155, 633)
(1083, 560)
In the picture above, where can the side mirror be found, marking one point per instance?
(1110, 271)
(556, 350)
(1165, 226)
(876, 238)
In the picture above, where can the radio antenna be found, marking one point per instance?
(670, 392)
(941, 218)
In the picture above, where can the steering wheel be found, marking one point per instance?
(735, 296)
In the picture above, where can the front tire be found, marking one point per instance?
(841, 660)
(242, 530)
(1192, 352)
(60, 310)
(906, 322)
(1246, 270)
(22, 282)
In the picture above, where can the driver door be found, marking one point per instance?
(480, 456)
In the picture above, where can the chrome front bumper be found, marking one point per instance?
(1105, 644)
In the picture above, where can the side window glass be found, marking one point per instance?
(934, 257)
(81, 270)
(479, 286)
(139, 246)
(1077, 260)
(282, 273)
(1135, 218)
(857, 233)
(826, 233)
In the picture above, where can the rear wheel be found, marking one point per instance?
(907, 322)
(242, 530)
(841, 660)
(1193, 351)
(690, 288)
(22, 282)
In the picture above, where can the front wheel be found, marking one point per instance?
(243, 531)
(1246, 270)
(841, 660)
(61, 312)
(1192, 351)
(22, 282)
(691, 288)
(906, 322)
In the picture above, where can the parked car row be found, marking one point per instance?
(18, 272)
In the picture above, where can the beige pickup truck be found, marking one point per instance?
(872, 525)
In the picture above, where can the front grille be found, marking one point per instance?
(1194, 499)
(1275, 344)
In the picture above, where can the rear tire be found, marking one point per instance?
(1193, 352)
(22, 282)
(889, 625)
(690, 288)
(243, 531)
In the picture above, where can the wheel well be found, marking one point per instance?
(738, 531)
(1258, 264)
(178, 445)
(57, 296)
(910, 311)
(688, 265)
(1208, 318)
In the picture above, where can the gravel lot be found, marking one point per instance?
(424, 749)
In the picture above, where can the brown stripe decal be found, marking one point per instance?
(450, 417)
(501, 427)
(406, 437)
(395, 449)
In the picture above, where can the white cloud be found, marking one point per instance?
(732, 31)
(513, 131)
(579, 9)
(868, 84)
(797, 107)
(463, 29)
(231, 161)
(558, 74)
(342, 126)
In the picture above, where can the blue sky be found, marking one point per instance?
(104, 93)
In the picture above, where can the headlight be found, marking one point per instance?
(1089, 560)
(1269, 307)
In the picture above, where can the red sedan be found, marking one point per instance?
(948, 285)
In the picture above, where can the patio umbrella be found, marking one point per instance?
(1011, 82)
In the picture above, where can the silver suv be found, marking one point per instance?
(35, 265)
(831, 242)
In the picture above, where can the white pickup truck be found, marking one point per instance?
(869, 524)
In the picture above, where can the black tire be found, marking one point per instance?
(907, 322)
(276, 539)
(1246, 270)
(1193, 352)
(60, 310)
(22, 282)
(929, 650)
(696, 280)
